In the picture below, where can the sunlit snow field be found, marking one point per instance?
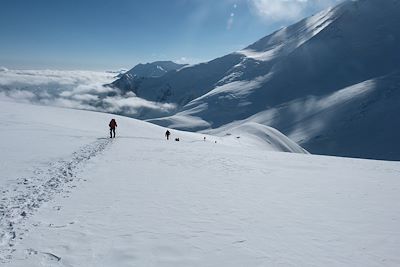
(75, 197)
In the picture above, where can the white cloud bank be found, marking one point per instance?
(289, 10)
(74, 89)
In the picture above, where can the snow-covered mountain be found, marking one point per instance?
(182, 85)
(71, 196)
(329, 81)
(130, 79)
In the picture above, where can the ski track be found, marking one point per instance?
(20, 201)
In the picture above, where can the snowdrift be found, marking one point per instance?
(259, 135)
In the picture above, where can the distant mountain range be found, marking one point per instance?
(330, 82)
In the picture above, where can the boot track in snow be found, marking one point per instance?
(22, 199)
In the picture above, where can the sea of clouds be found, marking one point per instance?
(78, 90)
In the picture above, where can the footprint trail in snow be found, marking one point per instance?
(21, 200)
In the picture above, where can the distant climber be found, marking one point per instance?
(113, 125)
(167, 134)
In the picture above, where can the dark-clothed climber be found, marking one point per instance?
(113, 125)
(167, 134)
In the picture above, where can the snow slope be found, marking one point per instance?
(44, 146)
(356, 121)
(352, 43)
(74, 197)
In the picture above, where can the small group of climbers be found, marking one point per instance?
(113, 125)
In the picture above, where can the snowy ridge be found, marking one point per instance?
(259, 135)
(128, 81)
(154, 69)
(287, 39)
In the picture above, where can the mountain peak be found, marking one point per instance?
(154, 69)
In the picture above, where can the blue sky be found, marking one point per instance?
(110, 34)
